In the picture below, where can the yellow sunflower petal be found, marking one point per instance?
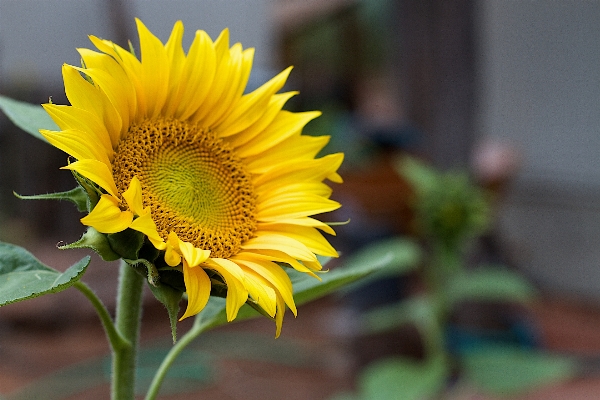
(272, 273)
(296, 147)
(305, 266)
(313, 188)
(197, 75)
(107, 217)
(112, 79)
(145, 224)
(68, 117)
(287, 245)
(285, 125)
(193, 255)
(272, 110)
(155, 70)
(133, 196)
(237, 294)
(251, 106)
(97, 172)
(294, 205)
(306, 235)
(261, 291)
(197, 287)
(130, 68)
(279, 316)
(298, 171)
(302, 221)
(176, 57)
(84, 95)
(79, 144)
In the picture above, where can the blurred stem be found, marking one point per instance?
(114, 337)
(129, 311)
(177, 348)
(446, 262)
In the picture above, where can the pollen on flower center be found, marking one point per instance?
(192, 181)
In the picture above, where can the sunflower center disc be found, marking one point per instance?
(193, 183)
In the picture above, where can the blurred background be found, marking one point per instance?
(507, 91)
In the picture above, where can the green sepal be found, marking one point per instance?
(170, 298)
(93, 191)
(150, 272)
(168, 295)
(77, 196)
(127, 243)
(92, 239)
(29, 117)
(22, 276)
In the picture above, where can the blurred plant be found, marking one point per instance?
(450, 212)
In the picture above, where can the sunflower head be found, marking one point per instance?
(193, 177)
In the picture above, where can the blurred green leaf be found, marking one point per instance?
(22, 276)
(29, 117)
(404, 379)
(423, 177)
(508, 370)
(419, 310)
(489, 284)
(345, 396)
(389, 257)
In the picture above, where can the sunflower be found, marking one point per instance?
(222, 183)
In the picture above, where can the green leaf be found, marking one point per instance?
(389, 257)
(29, 117)
(76, 196)
(24, 277)
(92, 239)
(508, 370)
(419, 310)
(490, 284)
(423, 177)
(404, 379)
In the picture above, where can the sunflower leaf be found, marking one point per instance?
(24, 277)
(76, 196)
(29, 117)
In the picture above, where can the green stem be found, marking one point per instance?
(115, 339)
(129, 311)
(170, 358)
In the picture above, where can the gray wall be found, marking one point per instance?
(539, 89)
(38, 36)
